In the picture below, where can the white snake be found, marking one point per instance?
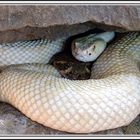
(110, 99)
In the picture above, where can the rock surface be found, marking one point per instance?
(50, 21)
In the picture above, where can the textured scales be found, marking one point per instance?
(110, 99)
(29, 51)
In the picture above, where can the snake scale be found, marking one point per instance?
(110, 99)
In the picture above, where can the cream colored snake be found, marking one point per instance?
(110, 99)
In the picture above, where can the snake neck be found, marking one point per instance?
(123, 56)
(83, 43)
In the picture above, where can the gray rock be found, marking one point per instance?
(33, 22)
(133, 128)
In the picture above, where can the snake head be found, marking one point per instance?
(89, 50)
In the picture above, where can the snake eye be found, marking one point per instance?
(94, 47)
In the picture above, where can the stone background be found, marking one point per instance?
(25, 22)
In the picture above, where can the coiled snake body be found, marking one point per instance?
(110, 99)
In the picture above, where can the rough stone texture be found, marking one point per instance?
(50, 21)
(133, 128)
(29, 33)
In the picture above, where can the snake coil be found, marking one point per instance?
(110, 99)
